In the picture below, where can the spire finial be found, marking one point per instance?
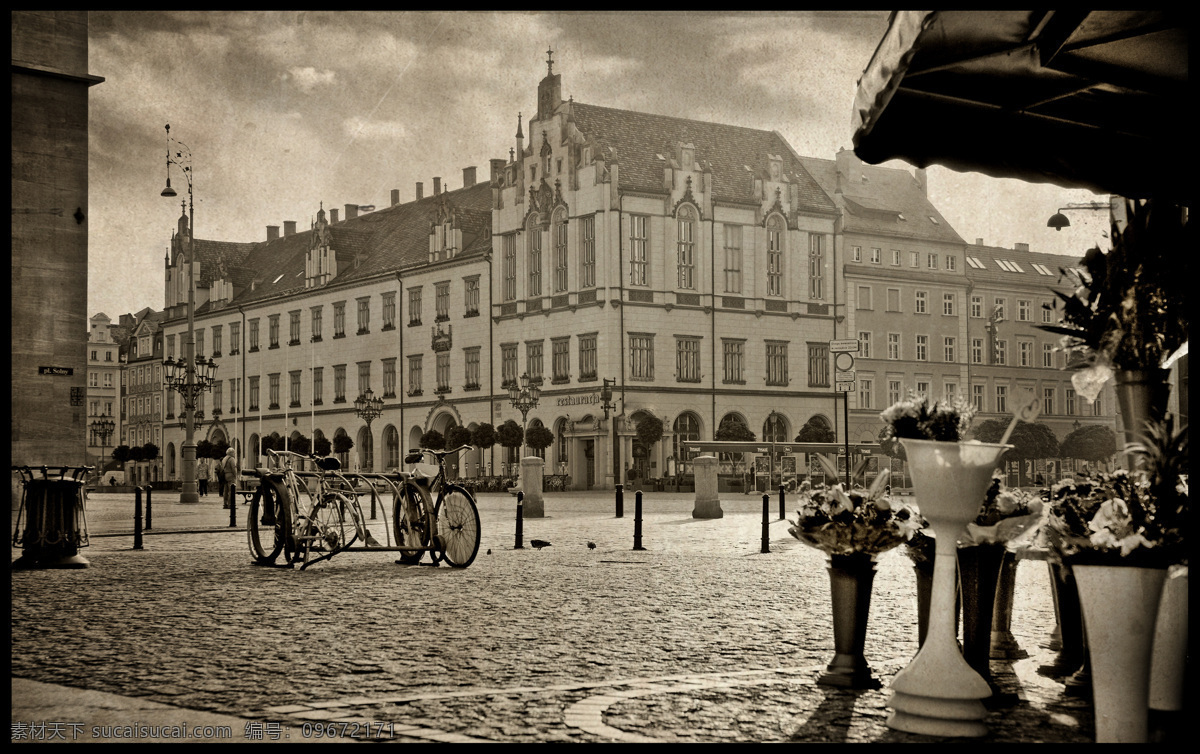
(519, 134)
(550, 62)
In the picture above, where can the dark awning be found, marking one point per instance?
(1082, 99)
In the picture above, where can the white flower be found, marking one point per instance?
(1007, 502)
(1113, 515)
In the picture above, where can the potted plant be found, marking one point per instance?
(853, 528)
(939, 693)
(1120, 532)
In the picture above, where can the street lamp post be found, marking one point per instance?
(102, 430)
(524, 396)
(368, 408)
(608, 404)
(184, 376)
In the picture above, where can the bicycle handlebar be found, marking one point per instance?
(443, 453)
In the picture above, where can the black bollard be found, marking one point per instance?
(374, 497)
(147, 527)
(137, 518)
(620, 501)
(231, 491)
(766, 532)
(520, 521)
(637, 521)
(782, 515)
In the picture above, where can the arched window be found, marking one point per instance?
(391, 445)
(560, 435)
(686, 246)
(775, 238)
(560, 251)
(685, 429)
(366, 450)
(534, 235)
(775, 428)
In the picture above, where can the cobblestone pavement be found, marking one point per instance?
(700, 637)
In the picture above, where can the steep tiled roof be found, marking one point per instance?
(1001, 266)
(876, 204)
(737, 154)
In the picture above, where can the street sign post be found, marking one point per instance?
(843, 346)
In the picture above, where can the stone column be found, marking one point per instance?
(531, 485)
(708, 505)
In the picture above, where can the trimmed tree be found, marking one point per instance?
(136, 453)
(816, 431)
(539, 438)
(322, 446)
(342, 444)
(120, 454)
(149, 452)
(433, 440)
(510, 434)
(1090, 442)
(458, 437)
(204, 449)
(1029, 440)
(301, 445)
(484, 436)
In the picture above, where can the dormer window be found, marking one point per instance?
(687, 156)
(775, 165)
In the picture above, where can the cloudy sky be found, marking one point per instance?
(284, 110)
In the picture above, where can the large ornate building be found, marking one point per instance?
(103, 391)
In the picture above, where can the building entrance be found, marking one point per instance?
(589, 453)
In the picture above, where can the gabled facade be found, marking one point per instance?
(103, 391)
(142, 393)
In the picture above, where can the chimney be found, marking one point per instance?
(437, 186)
(849, 169)
(420, 191)
(469, 177)
(351, 211)
(333, 216)
(289, 227)
(979, 242)
(922, 181)
(272, 232)
(1020, 247)
(497, 167)
(395, 197)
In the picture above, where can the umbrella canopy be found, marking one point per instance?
(1082, 99)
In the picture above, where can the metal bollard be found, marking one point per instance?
(137, 518)
(374, 497)
(637, 521)
(620, 501)
(520, 521)
(147, 527)
(231, 491)
(782, 515)
(766, 532)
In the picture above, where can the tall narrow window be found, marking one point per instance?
(509, 246)
(272, 332)
(948, 343)
(560, 252)
(339, 319)
(533, 360)
(775, 236)
(816, 265)
(364, 376)
(587, 251)
(587, 357)
(686, 247)
(235, 339)
(294, 380)
(216, 342)
(734, 360)
(864, 344)
(641, 356)
(638, 261)
(414, 375)
(922, 303)
(535, 261)
(893, 346)
(733, 259)
(865, 390)
(687, 359)
(1048, 400)
(253, 395)
(1070, 402)
(389, 378)
(315, 324)
(948, 304)
(318, 385)
(893, 392)
(818, 365)
(471, 296)
(293, 328)
(977, 397)
(273, 388)
(777, 371)
(922, 348)
(471, 368)
(443, 372)
(441, 302)
(1001, 398)
(389, 310)
(414, 306)
(339, 383)
(560, 359)
(364, 315)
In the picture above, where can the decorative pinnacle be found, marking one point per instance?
(549, 62)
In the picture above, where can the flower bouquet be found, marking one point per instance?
(1006, 517)
(919, 418)
(859, 522)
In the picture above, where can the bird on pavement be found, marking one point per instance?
(489, 551)
(538, 543)
(591, 545)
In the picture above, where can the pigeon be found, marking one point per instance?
(591, 545)
(489, 551)
(538, 543)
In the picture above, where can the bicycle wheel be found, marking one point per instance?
(322, 532)
(457, 526)
(269, 525)
(410, 524)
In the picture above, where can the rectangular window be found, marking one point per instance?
(951, 263)
(414, 375)
(533, 359)
(856, 254)
(893, 299)
(1048, 355)
(1047, 313)
(441, 302)
(977, 397)
(875, 256)
(364, 376)
(922, 348)
(389, 310)
(864, 297)
(560, 359)
(339, 383)
(560, 258)
(1026, 355)
(948, 343)
(1070, 402)
(471, 296)
(893, 346)
(816, 265)
(950, 389)
(976, 350)
(895, 258)
(1024, 310)
(922, 306)
(414, 306)
(864, 344)
(1047, 400)
(687, 359)
(235, 338)
(273, 331)
(641, 356)
(233, 395)
(865, 388)
(508, 364)
(977, 307)
(685, 250)
(442, 372)
(471, 368)
(775, 231)
(509, 247)
(364, 315)
(294, 379)
(273, 391)
(535, 263)
(171, 346)
(733, 261)
(318, 385)
(293, 328)
(637, 249)
(1001, 399)
(999, 308)
(587, 357)
(216, 341)
(315, 318)
(1001, 352)
(587, 251)
(199, 342)
(818, 365)
(923, 388)
(948, 304)
(339, 319)
(733, 358)
(389, 378)
(914, 259)
(253, 393)
(777, 362)
(893, 392)
(1097, 406)
(931, 261)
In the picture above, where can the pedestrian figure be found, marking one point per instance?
(202, 476)
(228, 472)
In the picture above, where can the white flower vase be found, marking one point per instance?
(1169, 660)
(1120, 608)
(939, 694)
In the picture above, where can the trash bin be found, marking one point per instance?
(52, 520)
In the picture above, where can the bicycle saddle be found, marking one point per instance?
(329, 463)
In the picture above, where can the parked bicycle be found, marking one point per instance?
(448, 526)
